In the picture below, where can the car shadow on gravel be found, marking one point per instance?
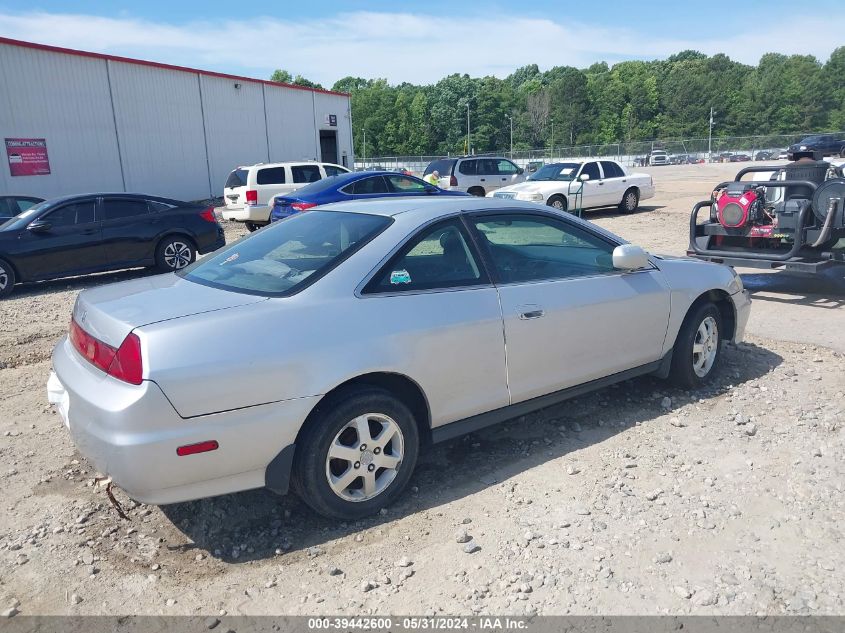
(36, 288)
(611, 212)
(258, 525)
(823, 290)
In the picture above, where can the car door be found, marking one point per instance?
(62, 241)
(440, 316)
(615, 182)
(270, 182)
(508, 173)
(593, 192)
(569, 316)
(130, 229)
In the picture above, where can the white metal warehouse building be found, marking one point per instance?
(116, 124)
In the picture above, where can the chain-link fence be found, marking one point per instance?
(765, 147)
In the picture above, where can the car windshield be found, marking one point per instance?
(289, 255)
(556, 171)
(23, 218)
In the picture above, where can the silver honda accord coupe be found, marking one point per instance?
(323, 351)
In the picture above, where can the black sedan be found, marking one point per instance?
(10, 206)
(90, 233)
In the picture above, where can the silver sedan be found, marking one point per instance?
(324, 350)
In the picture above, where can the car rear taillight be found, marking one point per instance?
(252, 197)
(123, 363)
(208, 215)
(453, 181)
(302, 206)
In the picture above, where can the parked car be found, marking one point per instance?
(605, 183)
(249, 190)
(825, 144)
(766, 154)
(739, 158)
(81, 234)
(476, 175)
(354, 186)
(399, 313)
(658, 157)
(783, 154)
(10, 206)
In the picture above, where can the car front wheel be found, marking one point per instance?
(356, 455)
(695, 356)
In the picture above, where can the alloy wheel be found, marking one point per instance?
(705, 347)
(364, 457)
(4, 278)
(631, 201)
(177, 255)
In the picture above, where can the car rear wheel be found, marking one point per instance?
(252, 226)
(842, 152)
(697, 350)
(7, 278)
(476, 191)
(174, 253)
(630, 201)
(557, 202)
(356, 455)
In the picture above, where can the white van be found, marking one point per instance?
(477, 175)
(249, 190)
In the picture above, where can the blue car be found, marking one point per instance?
(353, 186)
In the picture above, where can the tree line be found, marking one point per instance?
(630, 101)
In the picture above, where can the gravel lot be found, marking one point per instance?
(638, 499)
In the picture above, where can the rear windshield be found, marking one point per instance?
(289, 255)
(442, 167)
(237, 179)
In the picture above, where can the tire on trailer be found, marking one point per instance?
(698, 346)
(174, 252)
(356, 453)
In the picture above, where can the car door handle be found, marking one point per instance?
(601, 183)
(482, 180)
(530, 312)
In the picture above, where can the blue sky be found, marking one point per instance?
(421, 42)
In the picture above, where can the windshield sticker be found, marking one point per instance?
(230, 258)
(566, 171)
(400, 277)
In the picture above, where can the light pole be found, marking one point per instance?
(364, 151)
(710, 137)
(510, 118)
(468, 150)
(552, 149)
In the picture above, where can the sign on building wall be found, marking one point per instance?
(331, 120)
(27, 156)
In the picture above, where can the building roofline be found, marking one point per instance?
(143, 62)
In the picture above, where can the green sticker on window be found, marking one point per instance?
(400, 277)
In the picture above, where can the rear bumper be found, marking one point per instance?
(646, 192)
(131, 433)
(257, 213)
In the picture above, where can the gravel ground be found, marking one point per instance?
(638, 499)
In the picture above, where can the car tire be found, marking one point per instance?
(697, 350)
(330, 485)
(630, 201)
(175, 252)
(252, 226)
(7, 278)
(476, 191)
(557, 202)
(842, 152)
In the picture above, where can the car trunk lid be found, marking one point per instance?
(110, 313)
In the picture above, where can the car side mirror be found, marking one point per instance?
(520, 170)
(39, 226)
(629, 257)
(584, 177)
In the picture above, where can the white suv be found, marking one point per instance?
(477, 175)
(249, 190)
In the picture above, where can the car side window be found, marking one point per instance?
(438, 258)
(117, 208)
(270, 176)
(468, 167)
(21, 205)
(534, 248)
(72, 214)
(331, 170)
(372, 185)
(611, 169)
(405, 184)
(506, 168)
(487, 167)
(305, 173)
(592, 170)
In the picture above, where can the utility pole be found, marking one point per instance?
(552, 149)
(364, 152)
(710, 137)
(468, 147)
(511, 120)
